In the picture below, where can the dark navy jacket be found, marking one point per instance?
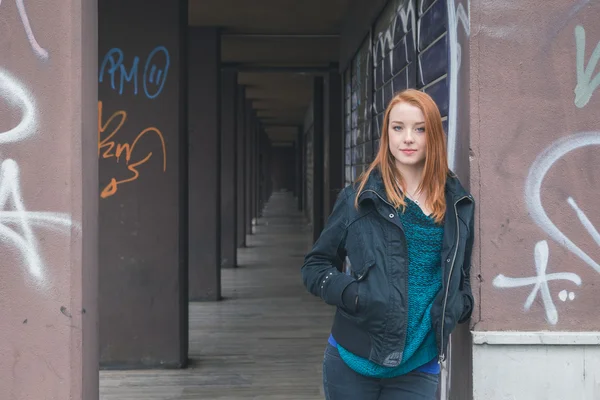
(371, 316)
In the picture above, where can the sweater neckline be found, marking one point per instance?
(419, 211)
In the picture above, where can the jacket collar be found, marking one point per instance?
(454, 189)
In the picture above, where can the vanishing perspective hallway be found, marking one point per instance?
(264, 340)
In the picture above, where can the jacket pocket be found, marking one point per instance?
(360, 273)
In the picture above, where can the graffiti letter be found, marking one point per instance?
(108, 144)
(533, 186)
(16, 95)
(25, 242)
(117, 65)
(585, 83)
(38, 50)
(161, 76)
(539, 282)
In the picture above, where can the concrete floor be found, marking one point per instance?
(265, 340)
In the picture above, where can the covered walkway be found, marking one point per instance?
(264, 340)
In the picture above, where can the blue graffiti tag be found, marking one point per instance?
(155, 71)
(162, 73)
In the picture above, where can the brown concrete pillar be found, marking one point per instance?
(141, 102)
(265, 177)
(48, 201)
(294, 149)
(318, 158)
(241, 167)
(204, 164)
(300, 176)
(262, 182)
(228, 168)
(257, 167)
(333, 141)
(250, 127)
(534, 174)
(253, 170)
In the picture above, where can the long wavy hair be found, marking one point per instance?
(436, 162)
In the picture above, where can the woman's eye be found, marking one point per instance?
(397, 128)
(421, 130)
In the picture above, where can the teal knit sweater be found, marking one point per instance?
(424, 242)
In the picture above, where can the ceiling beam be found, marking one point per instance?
(280, 35)
(289, 69)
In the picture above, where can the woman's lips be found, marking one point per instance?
(408, 152)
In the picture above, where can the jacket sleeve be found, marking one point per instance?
(319, 272)
(467, 294)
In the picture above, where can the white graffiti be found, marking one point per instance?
(38, 50)
(533, 184)
(533, 197)
(405, 14)
(563, 295)
(16, 222)
(539, 282)
(585, 83)
(14, 214)
(16, 95)
(456, 14)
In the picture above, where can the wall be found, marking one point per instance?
(333, 141)
(141, 127)
(535, 131)
(283, 164)
(307, 141)
(539, 241)
(358, 111)
(48, 200)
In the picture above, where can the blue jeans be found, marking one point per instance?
(340, 382)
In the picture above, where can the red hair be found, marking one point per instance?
(436, 169)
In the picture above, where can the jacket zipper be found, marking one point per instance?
(393, 208)
(442, 353)
(442, 357)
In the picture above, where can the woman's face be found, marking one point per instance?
(406, 131)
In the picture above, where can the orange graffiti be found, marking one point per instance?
(108, 145)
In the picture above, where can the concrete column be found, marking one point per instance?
(141, 102)
(300, 176)
(253, 169)
(266, 170)
(257, 168)
(294, 149)
(333, 142)
(250, 127)
(228, 168)
(241, 167)
(49, 202)
(318, 158)
(536, 269)
(262, 181)
(204, 164)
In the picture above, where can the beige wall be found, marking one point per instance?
(48, 318)
(535, 136)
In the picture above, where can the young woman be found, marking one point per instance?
(394, 258)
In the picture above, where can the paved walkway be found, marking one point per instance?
(264, 341)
